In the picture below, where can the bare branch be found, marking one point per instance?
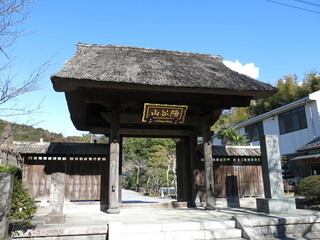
(10, 90)
(12, 14)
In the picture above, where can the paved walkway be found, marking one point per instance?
(90, 214)
(129, 196)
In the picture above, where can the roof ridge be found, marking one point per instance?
(78, 44)
(236, 146)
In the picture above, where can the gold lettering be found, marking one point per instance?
(165, 113)
(175, 113)
(154, 112)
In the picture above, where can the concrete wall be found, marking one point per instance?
(290, 142)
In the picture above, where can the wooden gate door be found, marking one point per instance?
(184, 181)
(86, 180)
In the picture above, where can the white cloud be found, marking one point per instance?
(248, 69)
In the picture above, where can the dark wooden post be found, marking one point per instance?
(193, 159)
(120, 170)
(207, 149)
(114, 164)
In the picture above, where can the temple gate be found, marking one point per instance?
(128, 92)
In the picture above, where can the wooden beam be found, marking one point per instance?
(135, 118)
(137, 98)
(135, 132)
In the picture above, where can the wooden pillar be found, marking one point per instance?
(207, 149)
(120, 170)
(193, 159)
(180, 152)
(113, 206)
(184, 177)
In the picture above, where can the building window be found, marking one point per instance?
(293, 120)
(254, 131)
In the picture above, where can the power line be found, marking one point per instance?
(310, 3)
(292, 6)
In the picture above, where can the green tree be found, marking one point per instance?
(289, 90)
(230, 136)
(150, 162)
(231, 117)
(239, 140)
(310, 84)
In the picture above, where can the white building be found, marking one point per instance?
(296, 124)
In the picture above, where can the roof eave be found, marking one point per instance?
(69, 84)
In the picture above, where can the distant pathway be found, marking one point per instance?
(129, 196)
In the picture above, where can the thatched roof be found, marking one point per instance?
(111, 65)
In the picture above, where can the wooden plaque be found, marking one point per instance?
(164, 113)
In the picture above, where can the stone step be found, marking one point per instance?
(231, 233)
(84, 237)
(296, 236)
(233, 239)
(64, 232)
(177, 226)
(187, 230)
(173, 204)
(293, 229)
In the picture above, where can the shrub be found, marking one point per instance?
(23, 204)
(17, 172)
(310, 189)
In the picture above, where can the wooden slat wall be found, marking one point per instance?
(85, 180)
(248, 178)
(37, 176)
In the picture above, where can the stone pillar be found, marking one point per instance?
(6, 187)
(113, 203)
(208, 165)
(274, 201)
(57, 191)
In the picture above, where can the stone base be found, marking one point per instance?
(268, 205)
(113, 210)
(4, 227)
(55, 219)
(209, 207)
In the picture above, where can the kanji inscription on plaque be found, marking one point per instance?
(164, 113)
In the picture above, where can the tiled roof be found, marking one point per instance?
(235, 151)
(314, 144)
(59, 148)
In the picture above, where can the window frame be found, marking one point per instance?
(254, 131)
(292, 120)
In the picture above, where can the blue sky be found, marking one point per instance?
(275, 40)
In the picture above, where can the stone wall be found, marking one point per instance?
(6, 187)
